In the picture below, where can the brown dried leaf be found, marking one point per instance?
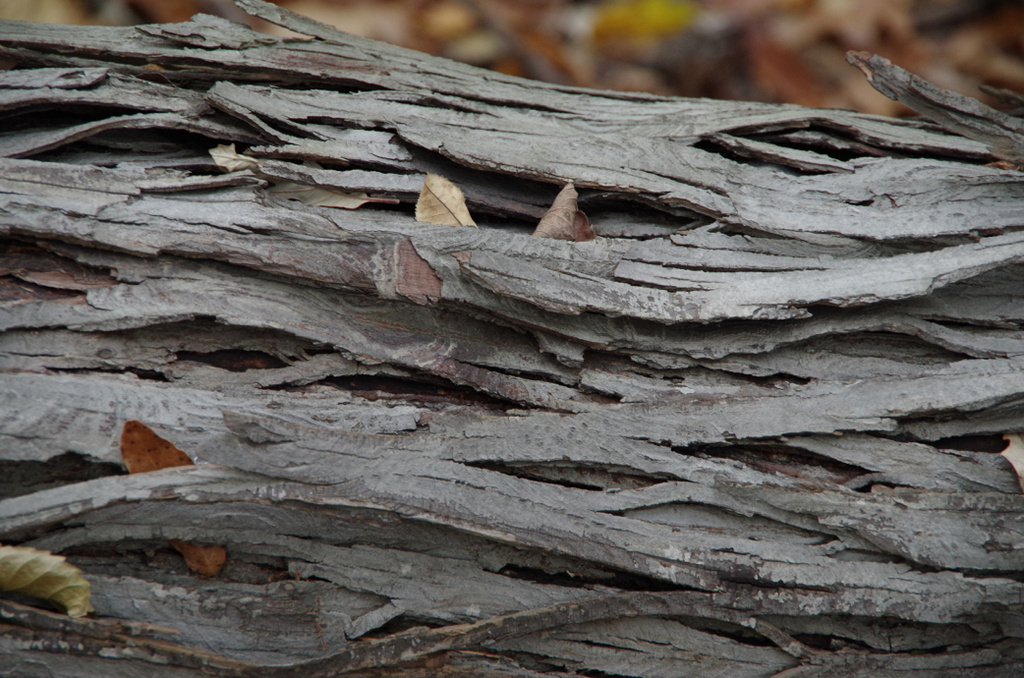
(41, 574)
(200, 558)
(565, 220)
(441, 202)
(143, 451)
(781, 72)
(1014, 453)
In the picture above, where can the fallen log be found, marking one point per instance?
(750, 429)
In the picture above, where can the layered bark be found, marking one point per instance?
(748, 430)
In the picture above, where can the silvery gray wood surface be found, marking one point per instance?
(749, 430)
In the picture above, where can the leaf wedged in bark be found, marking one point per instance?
(565, 220)
(441, 202)
(143, 451)
(41, 574)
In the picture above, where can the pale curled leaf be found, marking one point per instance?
(1014, 454)
(230, 160)
(41, 574)
(441, 202)
(565, 220)
(322, 197)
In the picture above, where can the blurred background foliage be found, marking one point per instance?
(790, 51)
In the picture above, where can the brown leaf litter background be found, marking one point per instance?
(786, 51)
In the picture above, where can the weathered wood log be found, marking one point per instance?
(749, 430)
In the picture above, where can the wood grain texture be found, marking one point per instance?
(751, 429)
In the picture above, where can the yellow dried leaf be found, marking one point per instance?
(447, 20)
(48, 12)
(642, 19)
(565, 221)
(229, 160)
(441, 202)
(41, 574)
(1014, 453)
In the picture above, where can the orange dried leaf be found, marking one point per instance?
(143, 451)
(565, 220)
(441, 202)
(1004, 165)
(200, 558)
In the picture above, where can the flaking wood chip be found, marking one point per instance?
(565, 220)
(441, 202)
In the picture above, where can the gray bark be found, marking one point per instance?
(749, 430)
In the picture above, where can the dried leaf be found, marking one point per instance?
(441, 202)
(781, 71)
(143, 451)
(1014, 453)
(41, 574)
(565, 220)
(202, 559)
(447, 20)
(229, 160)
(618, 20)
(46, 11)
(322, 197)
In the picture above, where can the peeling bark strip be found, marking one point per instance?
(1003, 134)
(749, 429)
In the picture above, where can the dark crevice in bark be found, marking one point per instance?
(233, 360)
(991, 444)
(575, 475)
(25, 477)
